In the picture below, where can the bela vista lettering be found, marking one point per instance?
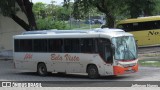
(56, 57)
(66, 57)
(71, 58)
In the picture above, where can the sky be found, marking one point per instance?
(48, 1)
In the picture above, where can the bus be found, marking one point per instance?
(98, 52)
(146, 30)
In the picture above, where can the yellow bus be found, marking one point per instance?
(146, 30)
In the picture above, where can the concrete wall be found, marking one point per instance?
(9, 28)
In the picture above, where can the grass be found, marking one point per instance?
(151, 62)
(152, 55)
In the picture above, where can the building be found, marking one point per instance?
(8, 28)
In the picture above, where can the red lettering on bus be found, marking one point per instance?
(56, 57)
(67, 57)
(28, 56)
(71, 58)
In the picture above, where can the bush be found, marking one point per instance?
(49, 23)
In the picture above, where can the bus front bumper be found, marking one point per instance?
(118, 70)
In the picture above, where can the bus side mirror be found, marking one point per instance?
(136, 44)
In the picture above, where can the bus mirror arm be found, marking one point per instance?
(136, 44)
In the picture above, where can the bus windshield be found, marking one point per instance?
(125, 48)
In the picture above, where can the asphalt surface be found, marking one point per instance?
(8, 73)
(149, 50)
(145, 76)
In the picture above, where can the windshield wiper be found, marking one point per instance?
(134, 57)
(127, 50)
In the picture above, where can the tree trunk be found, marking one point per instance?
(19, 21)
(26, 7)
(110, 20)
(29, 14)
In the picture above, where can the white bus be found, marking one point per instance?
(97, 52)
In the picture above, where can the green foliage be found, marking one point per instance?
(138, 8)
(51, 16)
(49, 23)
(109, 7)
(7, 7)
(80, 12)
(117, 9)
(42, 10)
(150, 62)
(39, 9)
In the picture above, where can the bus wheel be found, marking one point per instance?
(92, 72)
(41, 69)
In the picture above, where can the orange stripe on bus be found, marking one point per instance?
(118, 70)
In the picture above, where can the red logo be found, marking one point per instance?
(28, 56)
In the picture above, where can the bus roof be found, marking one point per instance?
(140, 19)
(106, 33)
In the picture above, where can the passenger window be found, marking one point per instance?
(72, 45)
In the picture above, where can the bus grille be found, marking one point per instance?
(129, 65)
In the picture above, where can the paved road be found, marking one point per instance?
(149, 50)
(8, 73)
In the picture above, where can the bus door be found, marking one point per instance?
(105, 52)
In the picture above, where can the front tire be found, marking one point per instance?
(42, 69)
(92, 72)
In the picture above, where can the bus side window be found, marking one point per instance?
(55, 45)
(39, 45)
(105, 50)
(108, 54)
(25, 45)
(87, 45)
(16, 45)
(72, 45)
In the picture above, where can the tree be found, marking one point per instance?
(114, 9)
(9, 8)
(108, 7)
(50, 16)
(141, 7)
(39, 9)
(58, 12)
(49, 23)
(79, 13)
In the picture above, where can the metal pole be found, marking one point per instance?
(90, 25)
